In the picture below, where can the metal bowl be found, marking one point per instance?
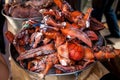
(14, 54)
(34, 75)
(16, 23)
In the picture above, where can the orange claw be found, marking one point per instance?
(55, 13)
(107, 52)
(63, 5)
(10, 36)
(74, 32)
(59, 3)
(50, 61)
(92, 35)
(87, 15)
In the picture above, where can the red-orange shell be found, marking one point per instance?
(76, 52)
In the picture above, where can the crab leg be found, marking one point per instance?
(38, 65)
(87, 15)
(59, 3)
(73, 32)
(107, 52)
(92, 35)
(47, 49)
(96, 25)
(51, 60)
(55, 13)
(52, 22)
(10, 36)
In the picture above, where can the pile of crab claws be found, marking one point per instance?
(74, 42)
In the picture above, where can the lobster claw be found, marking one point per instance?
(38, 65)
(59, 3)
(107, 52)
(46, 49)
(63, 5)
(10, 36)
(92, 35)
(77, 33)
(95, 25)
(87, 15)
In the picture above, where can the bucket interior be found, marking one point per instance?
(14, 55)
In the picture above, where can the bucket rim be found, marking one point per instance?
(3, 13)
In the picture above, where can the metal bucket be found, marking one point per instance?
(35, 76)
(16, 23)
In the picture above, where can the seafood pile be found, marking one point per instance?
(26, 9)
(65, 40)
